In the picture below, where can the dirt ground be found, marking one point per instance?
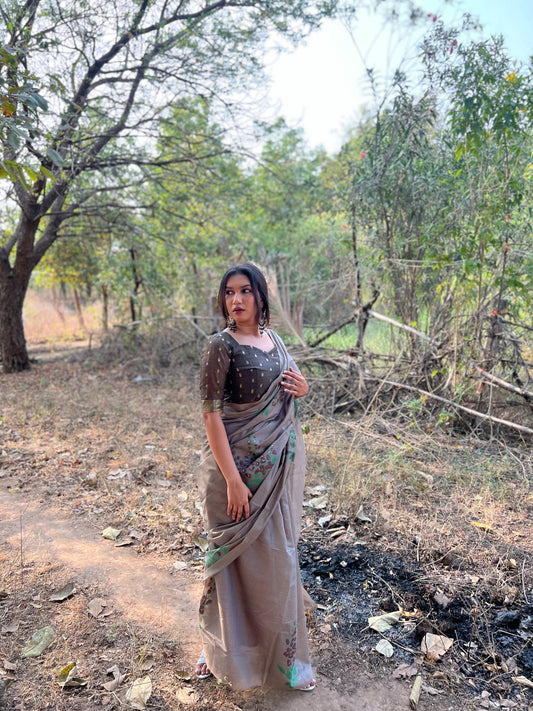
(86, 446)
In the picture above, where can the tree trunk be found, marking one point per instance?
(137, 281)
(57, 305)
(13, 351)
(297, 317)
(79, 310)
(14, 282)
(105, 309)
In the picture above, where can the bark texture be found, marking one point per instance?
(13, 350)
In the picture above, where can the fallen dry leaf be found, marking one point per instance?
(11, 628)
(482, 526)
(68, 677)
(118, 678)
(382, 623)
(111, 533)
(187, 696)
(441, 599)
(95, 606)
(319, 502)
(431, 690)
(139, 692)
(362, 516)
(62, 594)
(405, 671)
(385, 648)
(201, 542)
(124, 542)
(42, 639)
(147, 663)
(435, 645)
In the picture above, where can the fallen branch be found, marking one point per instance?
(438, 398)
(340, 361)
(503, 383)
(403, 326)
(527, 394)
(193, 323)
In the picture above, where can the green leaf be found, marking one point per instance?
(30, 172)
(13, 139)
(46, 173)
(55, 157)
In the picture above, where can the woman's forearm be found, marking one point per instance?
(238, 493)
(219, 444)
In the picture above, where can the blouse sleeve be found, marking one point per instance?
(214, 369)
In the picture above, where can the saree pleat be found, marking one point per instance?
(252, 617)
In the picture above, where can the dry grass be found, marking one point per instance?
(49, 320)
(459, 501)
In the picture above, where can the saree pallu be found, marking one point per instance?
(252, 617)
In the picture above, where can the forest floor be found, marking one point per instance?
(399, 518)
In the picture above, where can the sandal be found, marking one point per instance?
(309, 687)
(200, 663)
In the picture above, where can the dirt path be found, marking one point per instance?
(148, 593)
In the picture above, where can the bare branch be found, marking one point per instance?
(502, 383)
(450, 403)
(403, 326)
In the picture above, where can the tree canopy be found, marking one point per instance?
(109, 73)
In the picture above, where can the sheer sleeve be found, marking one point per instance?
(214, 369)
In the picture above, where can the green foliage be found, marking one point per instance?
(429, 200)
(438, 189)
(20, 105)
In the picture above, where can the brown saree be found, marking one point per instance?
(252, 617)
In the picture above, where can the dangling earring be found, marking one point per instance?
(262, 324)
(230, 323)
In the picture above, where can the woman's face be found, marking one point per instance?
(240, 300)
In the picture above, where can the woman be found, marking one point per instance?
(252, 617)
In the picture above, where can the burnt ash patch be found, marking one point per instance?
(352, 581)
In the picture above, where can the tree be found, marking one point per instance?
(398, 166)
(284, 227)
(489, 122)
(196, 205)
(108, 70)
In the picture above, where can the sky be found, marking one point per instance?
(321, 86)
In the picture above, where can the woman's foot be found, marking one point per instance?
(202, 670)
(308, 687)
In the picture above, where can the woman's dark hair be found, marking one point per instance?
(259, 288)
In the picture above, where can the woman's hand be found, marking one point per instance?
(239, 496)
(294, 383)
